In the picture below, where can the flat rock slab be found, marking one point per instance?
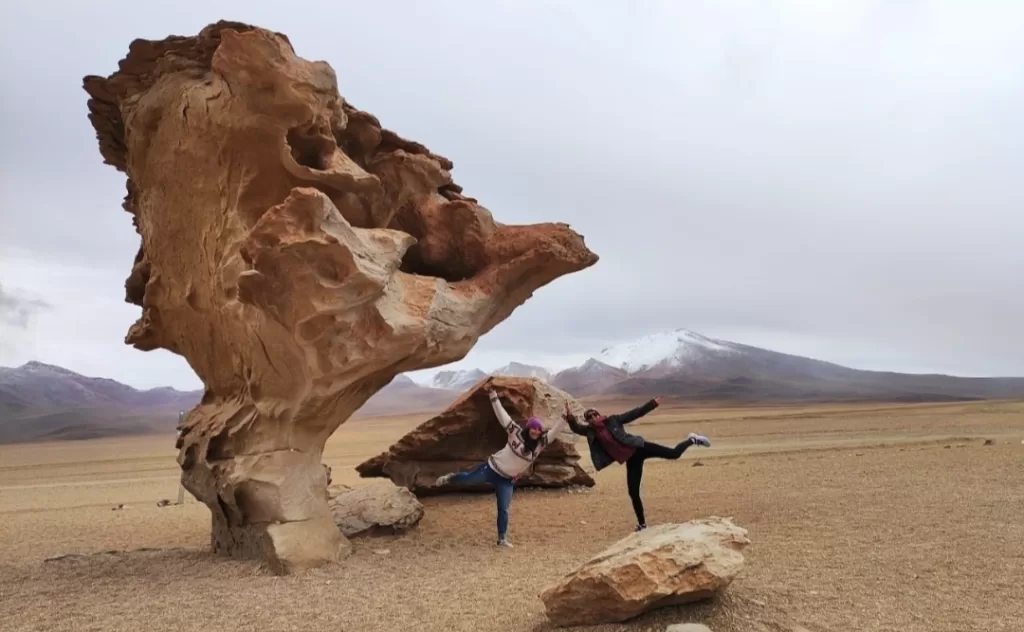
(665, 565)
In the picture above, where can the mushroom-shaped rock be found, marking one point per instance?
(299, 256)
(665, 565)
(468, 432)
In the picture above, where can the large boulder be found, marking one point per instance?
(374, 509)
(468, 432)
(665, 565)
(299, 256)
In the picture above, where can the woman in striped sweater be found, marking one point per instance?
(504, 466)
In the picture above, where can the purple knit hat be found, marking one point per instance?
(534, 423)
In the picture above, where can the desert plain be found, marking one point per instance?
(862, 517)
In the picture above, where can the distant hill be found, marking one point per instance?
(41, 385)
(403, 396)
(45, 402)
(42, 402)
(593, 377)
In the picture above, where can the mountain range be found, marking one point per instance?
(44, 402)
(689, 366)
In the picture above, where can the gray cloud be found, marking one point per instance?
(837, 181)
(17, 310)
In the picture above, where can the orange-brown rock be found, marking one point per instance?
(467, 433)
(299, 256)
(665, 565)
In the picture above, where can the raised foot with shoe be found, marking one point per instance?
(700, 440)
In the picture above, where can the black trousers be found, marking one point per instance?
(635, 470)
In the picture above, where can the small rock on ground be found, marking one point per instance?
(688, 627)
(374, 509)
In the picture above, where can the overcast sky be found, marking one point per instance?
(835, 179)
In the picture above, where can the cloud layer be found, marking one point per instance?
(832, 180)
(16, 310)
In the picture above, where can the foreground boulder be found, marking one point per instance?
(299, 256)
(665, 565)
(465, 434)
(374, 510)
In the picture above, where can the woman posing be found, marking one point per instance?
(504, 466)
(610, 443)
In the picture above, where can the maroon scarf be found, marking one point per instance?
(618, 451)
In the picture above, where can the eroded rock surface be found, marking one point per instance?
(467, 433)
(665, 565)
(299, 256)
(374, 509)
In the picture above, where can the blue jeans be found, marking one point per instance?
(502, 490)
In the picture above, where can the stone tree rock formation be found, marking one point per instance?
(299, 256)
(665, 565)
(467, 433)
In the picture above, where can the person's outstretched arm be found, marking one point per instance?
(574, 425)
(556, 429)
(638, 412)
(499, 411)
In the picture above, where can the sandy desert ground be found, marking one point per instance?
(862, 518)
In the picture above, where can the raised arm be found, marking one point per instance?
(638, 412)
(500, 412)
(556, 429)
(574, 425)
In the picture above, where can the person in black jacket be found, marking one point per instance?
(610, 443)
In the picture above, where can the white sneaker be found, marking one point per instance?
(443, 480)
(699, 439)
(505, 543)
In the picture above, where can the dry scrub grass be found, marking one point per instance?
(861, 519)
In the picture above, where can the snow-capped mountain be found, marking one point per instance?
(517, 369)
(665, 352)
(457, 380)
(687, 364)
